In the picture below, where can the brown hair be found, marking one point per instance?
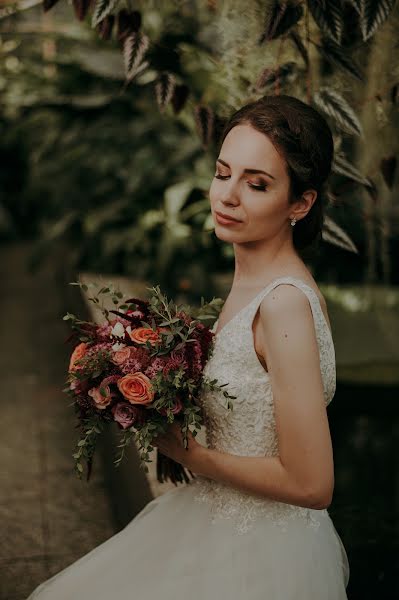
(302, 136)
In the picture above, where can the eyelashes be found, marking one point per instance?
(257, 188)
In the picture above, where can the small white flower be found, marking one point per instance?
(118, 330)
(118, 346)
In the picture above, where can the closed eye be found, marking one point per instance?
(258, 188)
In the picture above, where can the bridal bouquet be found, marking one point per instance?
(141, 369)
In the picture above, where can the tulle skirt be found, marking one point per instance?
(173, 550)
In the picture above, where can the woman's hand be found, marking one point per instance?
(171, 445)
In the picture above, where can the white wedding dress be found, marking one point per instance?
(209, 541)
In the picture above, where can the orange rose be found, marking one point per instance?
(76, 355)
(136, 388)
(141, 335)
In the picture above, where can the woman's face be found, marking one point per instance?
(258, 200)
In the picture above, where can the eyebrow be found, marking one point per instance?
(253, 171)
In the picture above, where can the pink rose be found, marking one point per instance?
(102, 396)
(175, 410)
(178, 356)
(125, 414)
(121, 356)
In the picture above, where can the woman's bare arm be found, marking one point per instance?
(292, 355)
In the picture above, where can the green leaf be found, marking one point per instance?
(102, 8)
(335, 235)
(134, 48)
(336, 55)
(343, 167)
(175, 198)
(328, 16)
(335, 106)
(372, 14)
(69, 316)
(284, 15)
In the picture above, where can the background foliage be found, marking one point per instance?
(110, 113)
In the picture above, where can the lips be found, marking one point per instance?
(227, 217)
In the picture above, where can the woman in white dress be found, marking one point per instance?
(254, 523)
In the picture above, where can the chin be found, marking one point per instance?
(222, 234)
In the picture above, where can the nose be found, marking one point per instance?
(230, 196)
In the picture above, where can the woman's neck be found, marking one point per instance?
(259, 262)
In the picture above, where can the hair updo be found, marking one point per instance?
(302, 136)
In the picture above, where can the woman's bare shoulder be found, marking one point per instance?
(287, 294)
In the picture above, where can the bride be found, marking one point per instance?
(254, 523)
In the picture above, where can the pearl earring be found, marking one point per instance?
(293, 221)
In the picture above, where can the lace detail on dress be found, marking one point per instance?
(249, 429)
(244, 509)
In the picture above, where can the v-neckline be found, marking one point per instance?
(237, 314)
(218, 333)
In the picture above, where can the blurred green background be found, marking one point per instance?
(110, 113)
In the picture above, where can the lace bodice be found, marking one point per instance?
(249, 429)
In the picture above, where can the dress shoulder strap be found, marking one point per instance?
(317, 312)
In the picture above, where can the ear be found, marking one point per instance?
(301, 207)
